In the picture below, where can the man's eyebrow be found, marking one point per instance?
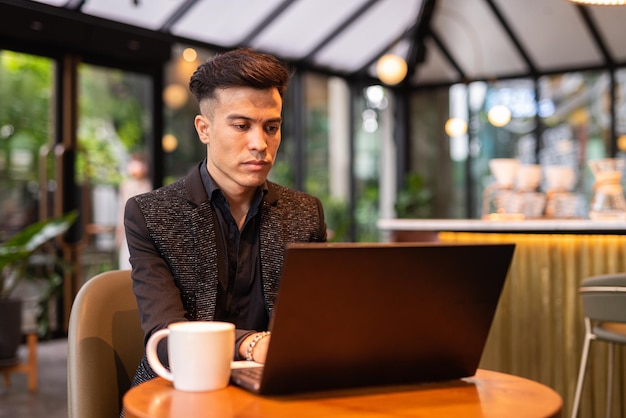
(247, 118)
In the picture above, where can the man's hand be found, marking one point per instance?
(255, 346)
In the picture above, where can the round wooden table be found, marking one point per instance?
(487, 394)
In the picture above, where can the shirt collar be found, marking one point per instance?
(211, 187)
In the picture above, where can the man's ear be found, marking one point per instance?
(202, 125)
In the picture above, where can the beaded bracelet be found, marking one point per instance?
(258, 337)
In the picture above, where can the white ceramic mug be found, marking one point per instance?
(199, 352)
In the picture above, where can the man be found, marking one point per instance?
(211, 246)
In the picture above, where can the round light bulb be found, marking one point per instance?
(175, 96)
(455, 127)
(169, 143)
(190, 54)
(499, 116)
(391, 69)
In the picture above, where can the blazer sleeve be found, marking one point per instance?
(158, 297)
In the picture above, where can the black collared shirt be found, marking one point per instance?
(240, 298)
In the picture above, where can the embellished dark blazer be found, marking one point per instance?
(172, 238)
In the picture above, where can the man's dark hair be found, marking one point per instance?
(239, 68)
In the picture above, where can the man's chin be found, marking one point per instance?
(254, 181)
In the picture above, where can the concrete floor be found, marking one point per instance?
(50, 401)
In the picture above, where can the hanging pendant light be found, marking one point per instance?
(391, 69)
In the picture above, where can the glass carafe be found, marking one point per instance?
(607, 201)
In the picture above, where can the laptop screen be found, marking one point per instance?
(359, 314)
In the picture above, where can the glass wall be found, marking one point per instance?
(574, 109)
(371, 136)
(316, 146)
(114, 130)
(503, 125)
(434, 159)
(327, 149)
(557, 123)
(620, 111)
(180, 143)
(27, 176)
(46, 169)
(26, 94)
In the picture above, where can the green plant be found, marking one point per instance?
(22, 258)
(16, 252)
(413, 200)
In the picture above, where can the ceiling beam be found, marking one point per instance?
(383, 50)
(75, 4)
(446, 53)
(514, 38)
(416, 32)
(595, 34)
(60, 29)
(278, 10)
(417, 49)
(178, 13)
(340, 28)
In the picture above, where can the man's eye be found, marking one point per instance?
(273, 129)
(241, 126)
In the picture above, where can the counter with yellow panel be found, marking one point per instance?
(538, 329)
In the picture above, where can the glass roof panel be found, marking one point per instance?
(436, 67)
(480, 49)
(148, 14)
(224, 23)
(553, 33)
(611, 22)
(304, 25)
(384, 22)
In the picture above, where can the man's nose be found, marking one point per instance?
(258, 139)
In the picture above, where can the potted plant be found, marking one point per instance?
(16, 255)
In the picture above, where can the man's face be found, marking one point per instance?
(241, 129)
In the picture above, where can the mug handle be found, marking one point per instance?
(153, 358)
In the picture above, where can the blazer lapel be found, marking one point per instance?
(205, 255)
(271, 247)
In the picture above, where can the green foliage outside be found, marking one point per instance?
(25, 114)
(26, 256)
(113, 123)
(367, 211)
(413, 200)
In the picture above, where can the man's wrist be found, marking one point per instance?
(257, 337)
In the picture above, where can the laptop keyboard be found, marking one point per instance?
(252, 372)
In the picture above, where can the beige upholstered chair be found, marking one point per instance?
(105, 345)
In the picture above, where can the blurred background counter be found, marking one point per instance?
(538, 330)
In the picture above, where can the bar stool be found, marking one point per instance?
(604, 307)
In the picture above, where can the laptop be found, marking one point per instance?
(350, 315)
